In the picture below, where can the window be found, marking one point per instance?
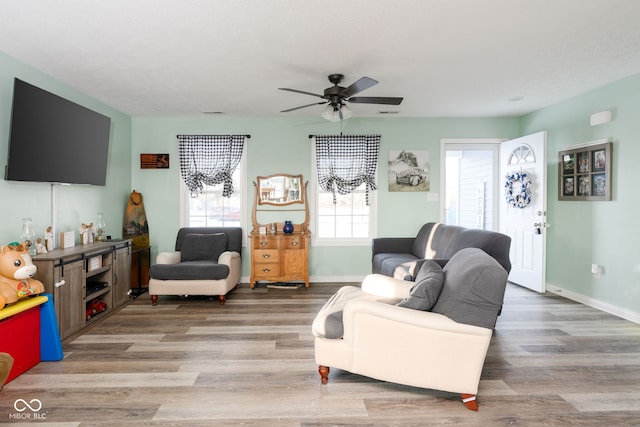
(348, 222)
(210, 209)
(347, 219)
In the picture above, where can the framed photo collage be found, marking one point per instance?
(585, 173)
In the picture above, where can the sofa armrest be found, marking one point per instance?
(379, 285)
(392, 245)
(227, 257)
(168, 257)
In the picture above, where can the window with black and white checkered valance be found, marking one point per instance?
(344, 162)
(209, 160)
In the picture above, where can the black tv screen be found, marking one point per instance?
(55, 140)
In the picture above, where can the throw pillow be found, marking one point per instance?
(203, 247)
(427, 288)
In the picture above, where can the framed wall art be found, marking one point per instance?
(584, 173)
(409, 170)
(154, 161)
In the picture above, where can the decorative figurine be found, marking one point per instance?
(40, 248)
(48, 238)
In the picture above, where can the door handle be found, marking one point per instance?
(538, 226)
(60, 283)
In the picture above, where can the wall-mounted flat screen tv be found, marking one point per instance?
(55, 140)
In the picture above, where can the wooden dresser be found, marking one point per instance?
(280, 257)
(277, 256)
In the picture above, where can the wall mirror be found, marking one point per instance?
(280, 190)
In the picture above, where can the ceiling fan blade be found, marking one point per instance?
(303, 106)
(387, 100)
(300, 91)
(360, 85)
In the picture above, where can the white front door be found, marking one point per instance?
(526, 221)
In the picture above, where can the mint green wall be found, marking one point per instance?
(584, 232)
(581, 233)
(76, 204)
(283, 145)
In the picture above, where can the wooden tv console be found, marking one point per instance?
(78, 276)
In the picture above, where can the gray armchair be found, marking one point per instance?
(206, 261)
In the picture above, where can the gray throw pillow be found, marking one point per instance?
(203, 247)
(428, 285)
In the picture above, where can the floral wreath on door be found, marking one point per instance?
(517, 189)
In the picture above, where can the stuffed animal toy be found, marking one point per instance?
(16, 269)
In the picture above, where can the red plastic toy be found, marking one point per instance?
(94, 307)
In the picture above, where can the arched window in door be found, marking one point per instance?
(522, 154)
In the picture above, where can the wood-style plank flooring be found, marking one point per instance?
(191, 362)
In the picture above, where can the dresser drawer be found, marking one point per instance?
(292, 242)
(265, 243)
(265, 270)
(266, 255)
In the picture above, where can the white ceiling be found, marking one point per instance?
(454, 58)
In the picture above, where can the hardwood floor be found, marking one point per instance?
(191, 362)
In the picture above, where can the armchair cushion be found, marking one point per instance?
(190, 270)
(474, 290)
(426, 290)
(203, 247)
(396, 265)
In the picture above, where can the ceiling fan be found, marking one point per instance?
(337, 96)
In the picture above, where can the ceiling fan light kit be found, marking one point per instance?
(336, 113)
(337, 96)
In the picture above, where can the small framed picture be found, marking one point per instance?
(568, 163)
(568, 188)
(154, 161)
(599, 160)
(599, 185)
(584, 185)
(583, 162)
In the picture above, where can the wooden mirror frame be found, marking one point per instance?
(265, 190)
(302, 227)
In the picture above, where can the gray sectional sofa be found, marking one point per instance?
(398, 257)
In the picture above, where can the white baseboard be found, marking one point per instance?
(595, 303)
